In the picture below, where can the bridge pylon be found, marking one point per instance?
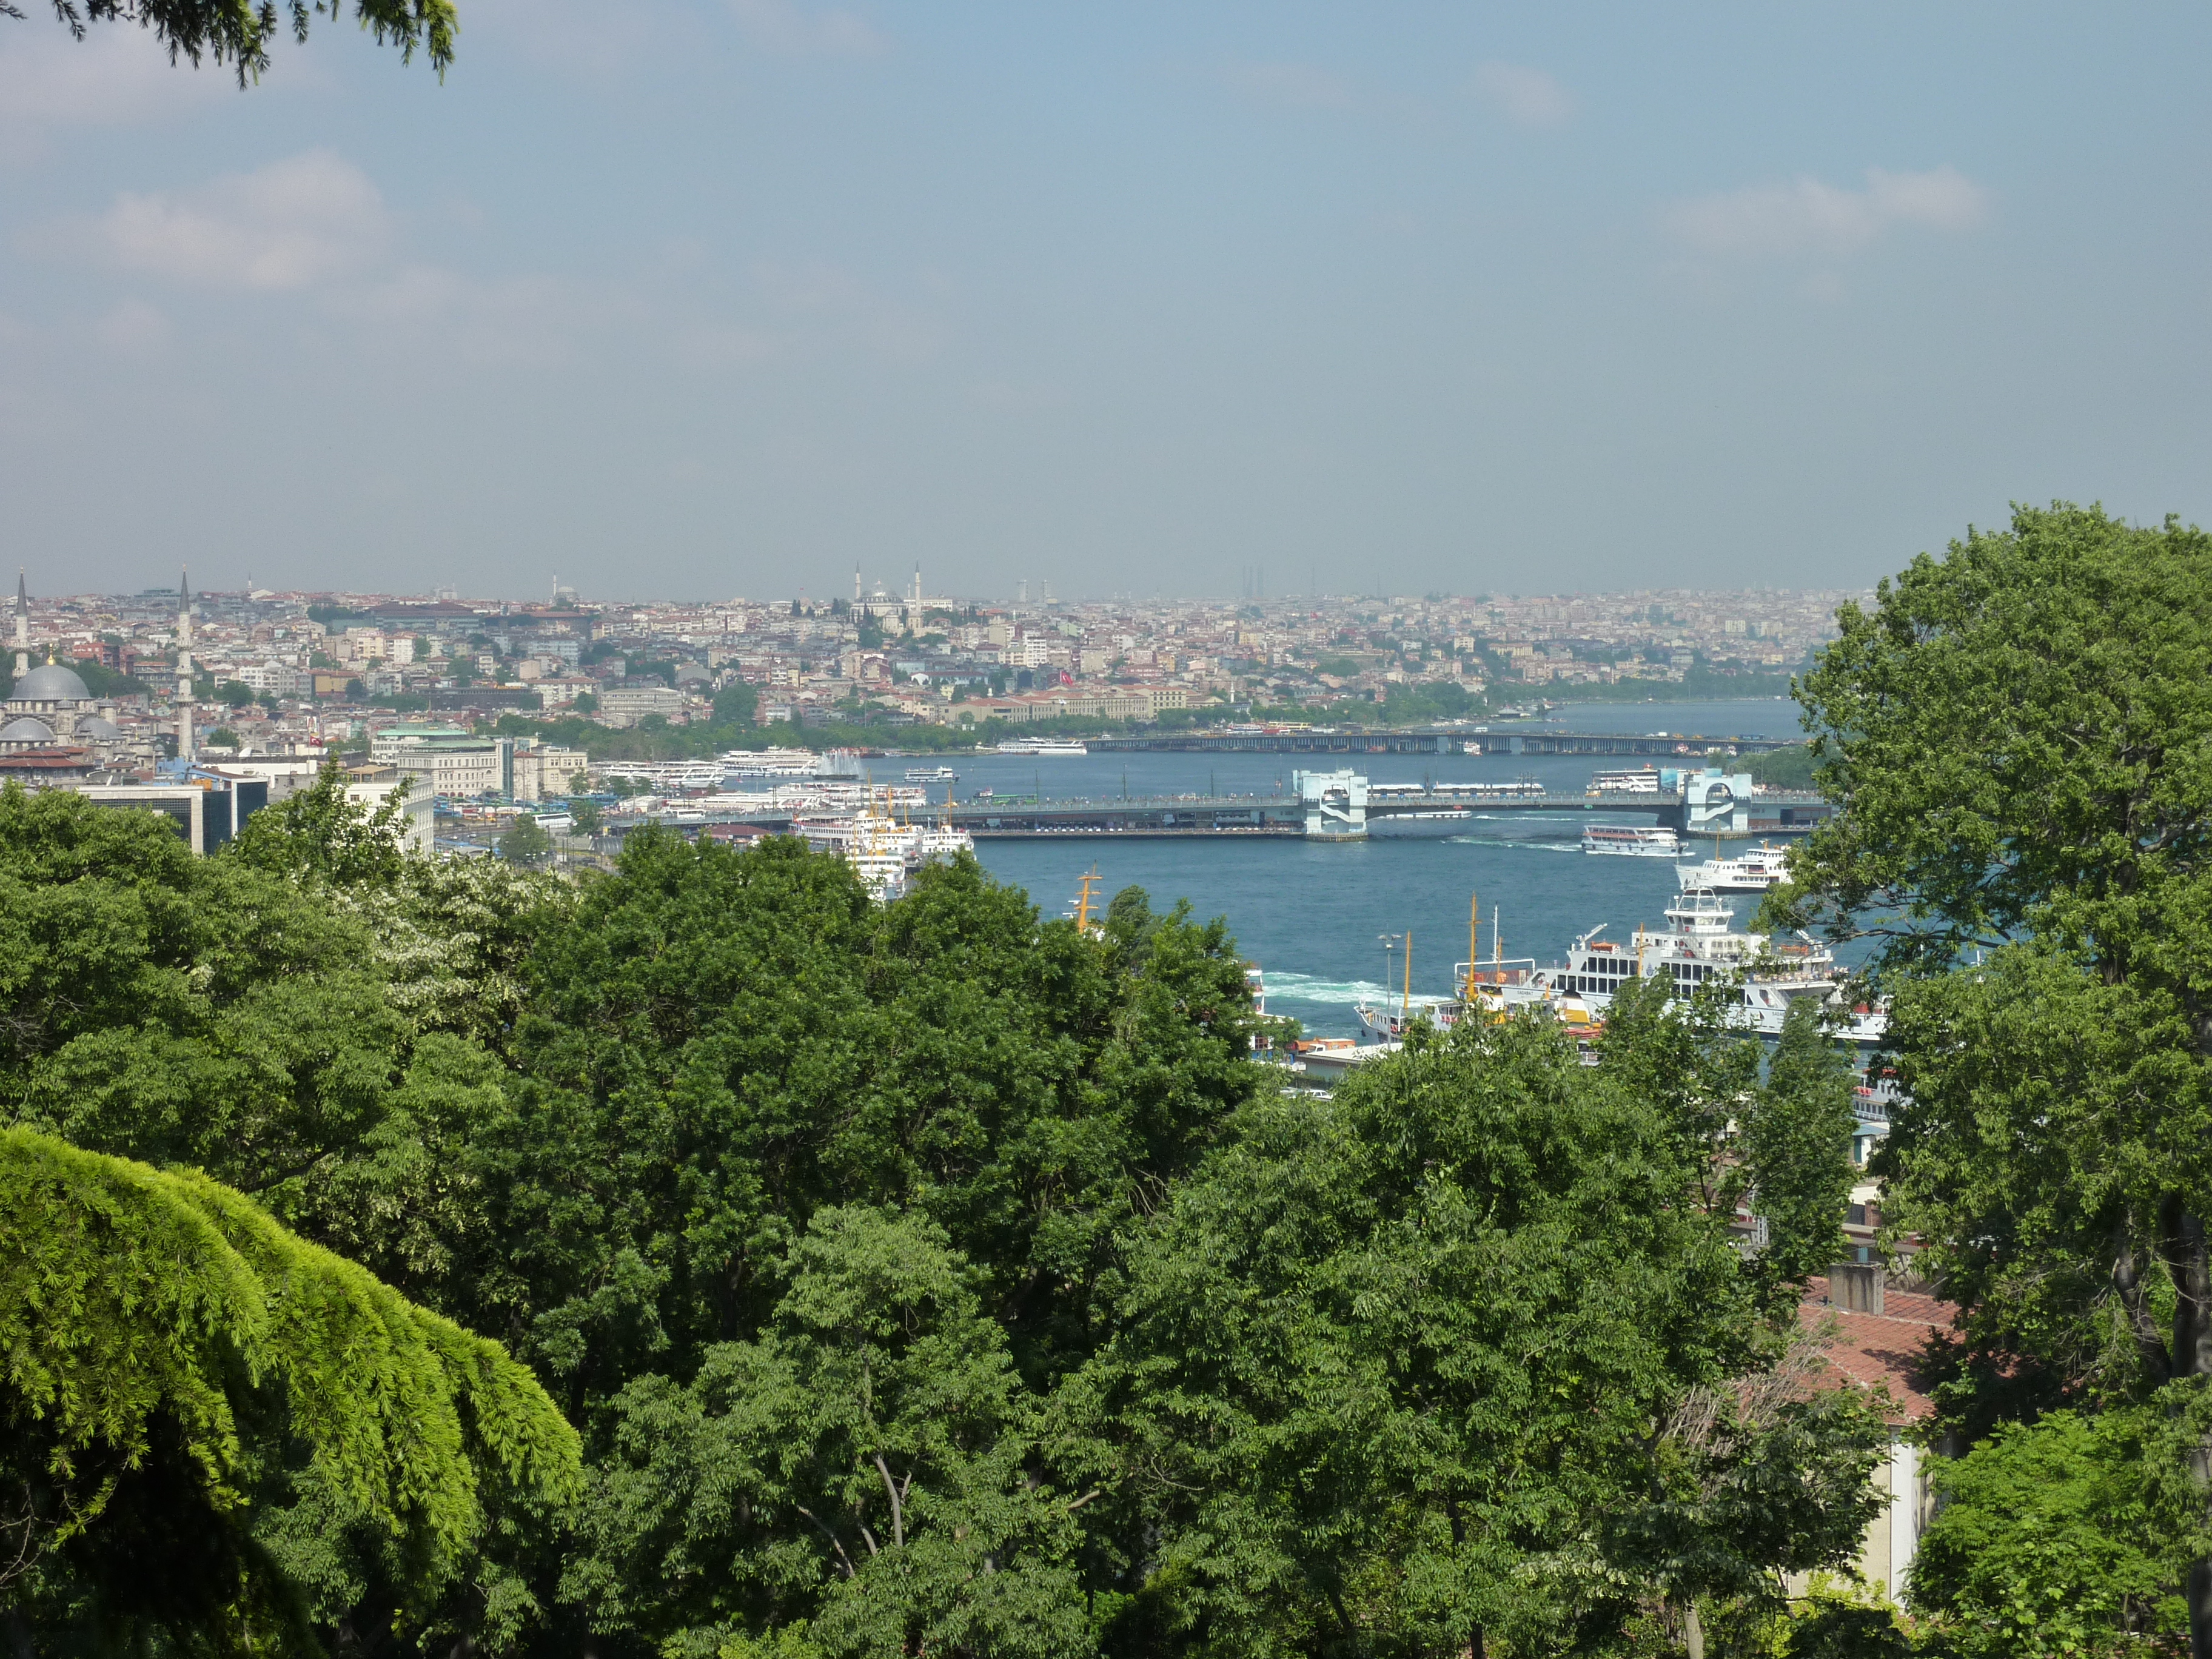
(1335, 803)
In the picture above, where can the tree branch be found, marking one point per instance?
(846, 1560)
(2127, 1279)
(898, 1510)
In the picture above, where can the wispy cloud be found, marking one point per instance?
(1296, 86)
(1527, 97)
(781, 26)
(1807, 216)
(113, 78)
(288, 225)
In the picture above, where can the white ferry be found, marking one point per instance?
(1752, 871)
(1631, 840)
(1637, 781)
(1044, 746)
(931, 774)
(883, 852)
(1701, 946)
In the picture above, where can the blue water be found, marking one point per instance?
(1311, 915)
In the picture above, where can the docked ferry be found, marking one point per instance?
(1631, 840)
(1752, 871)
(1044, 746)
(1701, 944)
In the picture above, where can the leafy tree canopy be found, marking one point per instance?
(239, 32)
(183, 1377)
(2020, 736)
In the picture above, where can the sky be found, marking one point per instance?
(708, 298)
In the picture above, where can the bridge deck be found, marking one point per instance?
(1451, 740)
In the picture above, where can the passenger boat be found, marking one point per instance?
(930, 775)
(883, 851)
(1751, 871)
(1631, 840)
(1042, 746)
(1701, 946)
(1638, 781)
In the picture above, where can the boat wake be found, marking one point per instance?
(1504, 841)
(1331, 992)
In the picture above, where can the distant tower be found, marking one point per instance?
(856, 584)
(183, 666)
(916, 600)
(22, 627)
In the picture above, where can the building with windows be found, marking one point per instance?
(626, 705)
(447, 760)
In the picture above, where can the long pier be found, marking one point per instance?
(1446, 740)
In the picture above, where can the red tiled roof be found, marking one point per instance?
(1875, 1350)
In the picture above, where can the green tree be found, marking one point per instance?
(527, 843)
(855, 1473)
(2018, 734)
(233, 693)
(2049, 1542)
(212, 1425)
(1794, 1140)
(735, 703)
(320, 833)
(588, 819)
(1448, 1363)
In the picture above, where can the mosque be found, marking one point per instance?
(52, 727)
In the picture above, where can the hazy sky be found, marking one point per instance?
(719, 298)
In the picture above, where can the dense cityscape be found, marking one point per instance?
(1620, 1067)
(272, 673)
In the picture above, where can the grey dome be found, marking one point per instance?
(51, 683)
(97, 726)
(26, 730)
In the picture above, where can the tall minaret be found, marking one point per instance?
(23, 626)
(917, 587)
(183, 666)
(856, 584)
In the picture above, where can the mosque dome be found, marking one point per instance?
(97, 726)
(50, 683)
(26, 730)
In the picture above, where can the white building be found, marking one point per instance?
(626, 705)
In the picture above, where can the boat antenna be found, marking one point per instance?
(1473, 938)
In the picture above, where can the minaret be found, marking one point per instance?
(856, 584)
(917, 587)
(183, 666)
(22, 627)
